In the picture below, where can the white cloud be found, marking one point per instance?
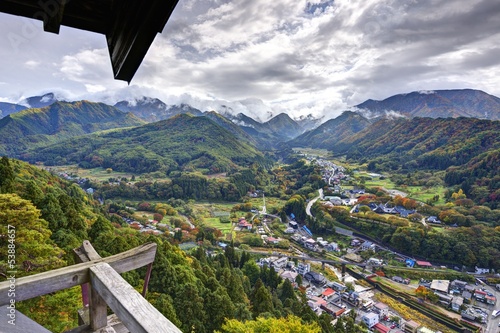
(31, 64)
(265, 57)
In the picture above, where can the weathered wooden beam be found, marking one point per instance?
(134, 27)
(113, 321)
(98, 309)
(85, 253)
(67, 277)
(136, 313)
(53, 10)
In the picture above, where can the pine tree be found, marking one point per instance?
(7, 176)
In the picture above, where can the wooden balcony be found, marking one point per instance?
(102, 287)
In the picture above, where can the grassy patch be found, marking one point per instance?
(272, 204)
(214, 222)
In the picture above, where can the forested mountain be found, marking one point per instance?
(30, 102)
(332, 131)
(231, 127)
(183, 142)
(283, 126)
(274, 131)
(438, 104)
(33, 127)
(8, 108)
(195, 291)
(153, 109)
(467, 148)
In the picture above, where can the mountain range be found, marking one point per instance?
(44, 133)
(183, 142)
(33, 127)
(437, 104)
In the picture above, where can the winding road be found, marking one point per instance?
(310, 203)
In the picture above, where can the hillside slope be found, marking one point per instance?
(183, 142)
(329, 133)
(33, 127)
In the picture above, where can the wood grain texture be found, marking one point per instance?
(136, 313)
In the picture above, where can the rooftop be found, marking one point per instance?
(129, 26)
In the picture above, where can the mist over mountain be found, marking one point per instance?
(332, 131)
(40, 101)
(153, 109)
(437, 104)
(9, 108)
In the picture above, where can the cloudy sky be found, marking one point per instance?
(259, 57)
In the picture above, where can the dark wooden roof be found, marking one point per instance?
(130, 26)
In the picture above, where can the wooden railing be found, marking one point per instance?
(107, 288)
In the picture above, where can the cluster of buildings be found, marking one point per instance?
(317, 244)
(460, 296)
(336, 299)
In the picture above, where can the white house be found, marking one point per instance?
(370, 319)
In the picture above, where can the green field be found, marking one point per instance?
(323, 153)
(98, 174)
(215, 223)
(419, 193)
(271, 203)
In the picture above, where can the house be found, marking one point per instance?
(480, 295)
(458, 285)
(444, 299)
(370, 319)
(279, 263)
(403, 212)
(333, 309)
(491, 300)
(410, 326)
(440, 285)
(355, 242)
(382, 309)
(327, 293)
(375, 262)
(368, 246)
(337, 201)
(332, 247)
(289, 230)
(315, 278)
(467, 296)
(243, 224)
(272, 240)
(433, 219)
(293, 224)
(310, 244)
(337, 286)
(482, 270)
(378, 327)
(456, 303)
(423, 264)
(303, 268)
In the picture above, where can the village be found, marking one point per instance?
(473, 302)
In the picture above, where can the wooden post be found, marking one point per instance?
(86, 253)
(136, 313)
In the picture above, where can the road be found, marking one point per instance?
(492, 326)
(310, 203)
